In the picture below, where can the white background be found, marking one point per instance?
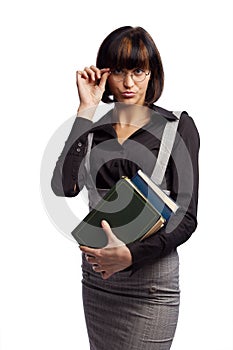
(43, 43)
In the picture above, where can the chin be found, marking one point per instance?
(131, 101)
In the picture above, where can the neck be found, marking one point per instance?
(131, 115)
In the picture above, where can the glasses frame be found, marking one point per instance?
(131, 75)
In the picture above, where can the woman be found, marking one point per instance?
(130, 292)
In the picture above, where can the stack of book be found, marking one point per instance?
(134, 208)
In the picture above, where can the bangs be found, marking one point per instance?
(128, 53)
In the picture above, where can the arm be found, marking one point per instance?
(68, 176)
(184, 169)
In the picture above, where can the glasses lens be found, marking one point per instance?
(137, 75)
(118, 74)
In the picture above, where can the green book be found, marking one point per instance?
(128, 212)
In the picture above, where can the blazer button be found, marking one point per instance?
(152, 290)
(85, 274)
(78, 150)
(79, 144)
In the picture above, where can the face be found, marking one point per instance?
(124, 86)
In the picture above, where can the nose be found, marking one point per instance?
(128, 80)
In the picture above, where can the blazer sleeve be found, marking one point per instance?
(184, 190)
(69, 173)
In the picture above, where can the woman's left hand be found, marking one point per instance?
(114, 257)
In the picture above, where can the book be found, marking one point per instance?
(155, 195)
(129, 213)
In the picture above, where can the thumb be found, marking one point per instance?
(113, 241)
(103, 80)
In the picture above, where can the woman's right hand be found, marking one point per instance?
(91, 85)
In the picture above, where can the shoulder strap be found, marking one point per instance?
(87, 156)
(166, 145)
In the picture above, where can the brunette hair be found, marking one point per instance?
(132, 47)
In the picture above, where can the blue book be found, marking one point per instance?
(155, 195)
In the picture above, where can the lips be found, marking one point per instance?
(128, 94)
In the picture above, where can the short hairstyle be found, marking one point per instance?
(132, 47)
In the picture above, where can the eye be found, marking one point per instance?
(117, 71)
(138, 72)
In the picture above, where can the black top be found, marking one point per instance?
(110, 160)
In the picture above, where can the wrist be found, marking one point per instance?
(126, 256)
(86, 111)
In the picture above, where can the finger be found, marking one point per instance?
(97, 268)
(102, 274)
(97, 71)
(104, 70)
(89, 251)
(88, 256)
(103, 79)
(94, 267)
(91, 74)
(105, 275)
(90, 260)
(81, 74)
(113, 241)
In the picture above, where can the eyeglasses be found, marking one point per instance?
(138, 75)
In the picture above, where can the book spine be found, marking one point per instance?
(152, 197)
(160, 193)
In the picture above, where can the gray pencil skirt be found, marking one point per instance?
(136, 311)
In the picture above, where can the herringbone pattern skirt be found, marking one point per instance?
(136, 311)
